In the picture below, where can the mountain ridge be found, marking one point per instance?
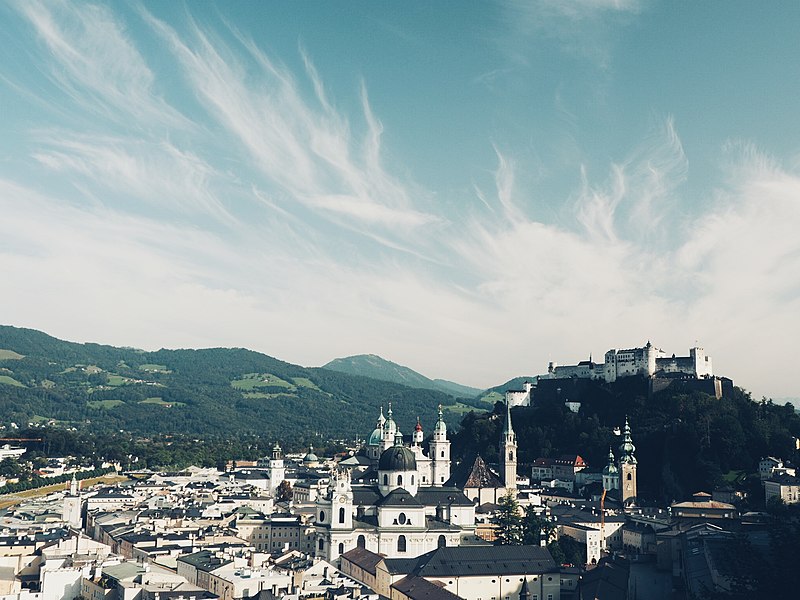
(376, 367)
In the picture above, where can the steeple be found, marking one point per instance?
(508, 450)
(524, 592)
(418, 434)
(626, 448)
(439, 451)
(627, 466)
(508, 430)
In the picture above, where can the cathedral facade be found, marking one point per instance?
(400, 508)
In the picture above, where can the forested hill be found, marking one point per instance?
(370, 365)
(213, 391)
(686, 441)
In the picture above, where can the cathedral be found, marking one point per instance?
(400, 507)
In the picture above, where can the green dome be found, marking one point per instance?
(376, 437)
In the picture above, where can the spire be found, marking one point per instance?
(626, 449)
(611, 467)
(418, 426)
(73, 486)
(398, 438)
(440, 424)
(381, 419)
(524, 592)
(508, 430)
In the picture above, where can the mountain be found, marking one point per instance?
(370, 365)
(216, 391)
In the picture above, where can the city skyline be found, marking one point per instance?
(468, 189)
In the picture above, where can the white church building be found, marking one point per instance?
(404, 510)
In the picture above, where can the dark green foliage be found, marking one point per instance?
(685, 441)
(508, 521)
(63, 380)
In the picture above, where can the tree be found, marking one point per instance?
(508, 521)
(535, 528)
(284, 491)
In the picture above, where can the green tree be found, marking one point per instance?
(535, 528)
(284, 491)
(508, 521)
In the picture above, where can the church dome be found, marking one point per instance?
(397, 458)
(310, 458)
(376, 437)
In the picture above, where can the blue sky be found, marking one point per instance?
(472, 189)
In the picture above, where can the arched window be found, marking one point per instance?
(341, 548)
(322, 515)
(341, 515)
(510, 456)
(442, 453)
(361, 542)
(322, 544)
(401, 518)
(401, 543)
(630, 477)
(399, 480)
(442, 542)
(412, 480)
(385, 479)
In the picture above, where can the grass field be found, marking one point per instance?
(10, 355)
(161, 402)
(305, 382)
(267, 396)
(97, 404)
(459, 408)
(252, 381)
(49, 489)
(10, 381)
(149, 368)
(492, 397)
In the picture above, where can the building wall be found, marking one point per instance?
(545, 586)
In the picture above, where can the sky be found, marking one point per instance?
(471, 189)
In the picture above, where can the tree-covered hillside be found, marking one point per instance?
(685, 441)
(370, 365)
(214, 391)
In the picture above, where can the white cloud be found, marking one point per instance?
(96, 64)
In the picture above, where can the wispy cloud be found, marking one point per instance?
(305, 147)
(96, 64)
(582, 28)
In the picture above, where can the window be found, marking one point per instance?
(442, 542)
(401, 543)
(361, 542)
(341, 548)
(412, 480)
(322, 515)
(442, 453)
(630, 477)
(322, 544)
(401, 518)
(385, 480)
(399, 480)
(341, 515)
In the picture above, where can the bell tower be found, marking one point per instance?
(508, 451)
(439, 451)
(627, 467)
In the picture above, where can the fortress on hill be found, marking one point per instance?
(647, 361)
(659, 369)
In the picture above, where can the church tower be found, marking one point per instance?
(341, 500)
(508, 450)
(627, 466)
(610, 473)
(389, 430)
(277, 470)
(439, 451)
(71, 511)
